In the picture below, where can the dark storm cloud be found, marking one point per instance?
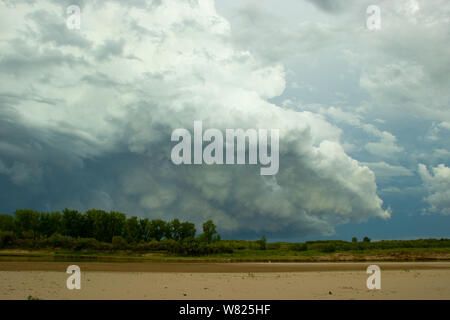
(87, 119)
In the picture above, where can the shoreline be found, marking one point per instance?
(379, 256)
(201, 267)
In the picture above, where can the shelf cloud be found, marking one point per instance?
(86, 118)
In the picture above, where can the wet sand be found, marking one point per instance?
(291, 281)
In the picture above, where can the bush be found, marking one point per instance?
(143, 246)
(119, 243)
(86, 243)
(322, 246)
(105, 246)
(273, 246)
(195, 247)
(298, 247)
(262, 243)
(27, 234)
(7, 239)
(328, 248)
(25, 243)
(237, 244)
(59, 241)
(6, 222)
(219, 248)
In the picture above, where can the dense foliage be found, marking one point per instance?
(112, 231)
(101, 230)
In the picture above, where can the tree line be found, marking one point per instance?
(110, 231)
(64, 228)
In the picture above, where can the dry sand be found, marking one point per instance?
(47, 280)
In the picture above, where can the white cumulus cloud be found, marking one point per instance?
(437, 184)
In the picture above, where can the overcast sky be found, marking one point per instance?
(364, 116)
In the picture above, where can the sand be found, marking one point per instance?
(290, 281)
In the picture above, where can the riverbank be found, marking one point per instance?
(291, 281)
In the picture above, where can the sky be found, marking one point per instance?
(86, 114)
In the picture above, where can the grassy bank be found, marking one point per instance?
(245, 255)
(97, 235)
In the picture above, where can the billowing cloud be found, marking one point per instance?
(87, 116)
(385, 89)
(438, 186)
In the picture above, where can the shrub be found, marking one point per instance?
(327, 248)
(144, 246)
(6, 222)
(262, 243)
(274, 246)
(86, 243)
(105, 246)
(298, 247)
(195, 247)
(119, 243)
(27, 234)
(25, 243)
(322, 246)
(219, 248)
(59, 241)
(237, 244)
(366, 239)
(7, 239)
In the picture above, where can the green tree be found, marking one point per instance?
(145, 229)
(6, 222)
(97, 225)
(27, 221)
(50, 223)
(366, 239)
(354, 239)
(187, 230)
(132, 230)
(262, 243)
(158, 229)
(180, 231)
(73, 223)
(209, 232)
(116, 224)
(105, 225)
(173, 230)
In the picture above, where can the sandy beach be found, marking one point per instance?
(291, 281)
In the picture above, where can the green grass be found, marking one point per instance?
(242, 255)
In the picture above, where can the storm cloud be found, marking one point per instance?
(86, 118)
